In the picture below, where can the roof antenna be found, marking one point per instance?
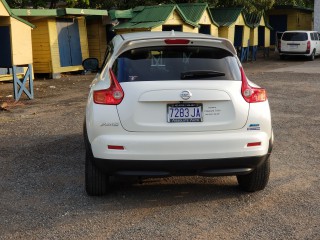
(172, 33)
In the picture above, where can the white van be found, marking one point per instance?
(300, 43)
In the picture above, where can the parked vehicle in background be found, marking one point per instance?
(278, 41)
(300, 43)
(172, 103)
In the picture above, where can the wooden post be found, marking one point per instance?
(19, 86)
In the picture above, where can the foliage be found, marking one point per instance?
(300, 3)
(249, 5)
(45, 3)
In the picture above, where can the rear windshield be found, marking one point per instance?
(176, 63)
(295, 36)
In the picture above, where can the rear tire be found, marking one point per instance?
(282, 57)
(257, 179)
(312, 56)
(97, 182)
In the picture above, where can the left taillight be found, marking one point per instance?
(308, 46)
(111, 96)
(251, 94)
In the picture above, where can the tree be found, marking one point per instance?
(249, 5)
(45, 3)
(300, 3)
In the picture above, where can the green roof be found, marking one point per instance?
(85, 12)
(58, 12)
(194, 11)
(35, 12)
(253, 20)
(146, 25)
(225, 16)
(138, 9)
(6, 6)
(116, 14)
(153, 16)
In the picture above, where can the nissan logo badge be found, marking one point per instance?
(185, 95)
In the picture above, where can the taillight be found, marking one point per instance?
(111, 96)
(176, 41)
(251, 94)
(308, 46)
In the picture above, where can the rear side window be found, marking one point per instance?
(165, 63)
(312, 36)
(295, 36)
(107, 55)
(316, 36)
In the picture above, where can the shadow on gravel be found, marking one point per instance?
(171, 191)
(44, 182)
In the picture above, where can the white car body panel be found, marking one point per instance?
(180, 146)
(176, 145)
(151, 137)
(220, 113)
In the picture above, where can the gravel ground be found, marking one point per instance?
(42, 173)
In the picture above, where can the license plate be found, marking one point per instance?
(184, 112)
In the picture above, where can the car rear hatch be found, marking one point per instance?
(180, 88)
(294, 42)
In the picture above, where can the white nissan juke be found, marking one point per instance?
(172, 103)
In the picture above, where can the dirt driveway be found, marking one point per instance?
(42, 172)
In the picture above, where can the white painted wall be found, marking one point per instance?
(317, 15)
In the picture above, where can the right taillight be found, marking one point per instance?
(308, 46)
(251, 94)
(111, 96)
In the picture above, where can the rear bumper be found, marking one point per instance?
(177, 146)
(213, 166)
(308, 53)
(163, 168)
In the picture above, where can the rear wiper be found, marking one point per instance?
(200, 74)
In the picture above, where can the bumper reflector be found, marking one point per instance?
(254, 144)
(114, 147)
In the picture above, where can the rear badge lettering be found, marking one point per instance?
(254, 127)
(212, 111)
(109, 125)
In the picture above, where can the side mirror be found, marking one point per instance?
(91, 64)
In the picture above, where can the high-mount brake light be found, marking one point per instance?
(111, 96)
(251, 94)
(177, 41)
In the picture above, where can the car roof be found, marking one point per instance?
(163, 34)
(299, 31)
(172, 34)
